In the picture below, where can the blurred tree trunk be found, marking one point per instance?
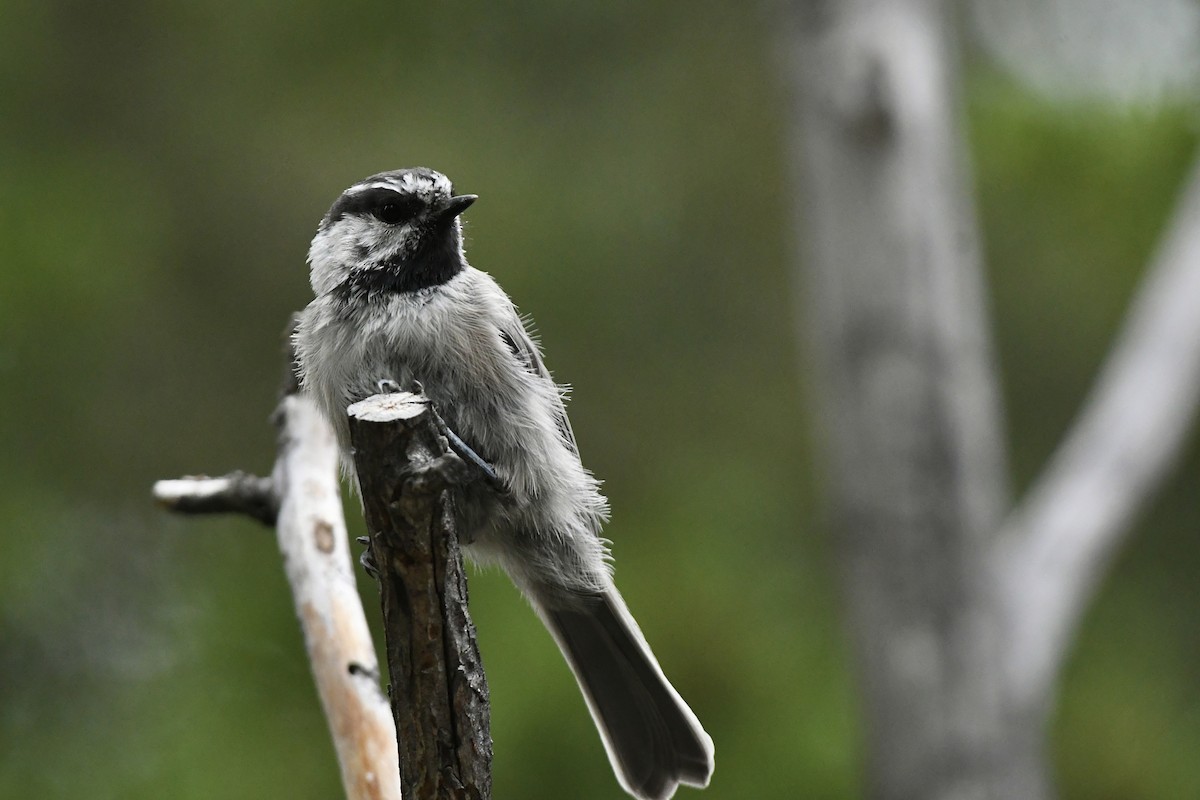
(894, 294)
(962, 609)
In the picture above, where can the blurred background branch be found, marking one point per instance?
(1060, 541)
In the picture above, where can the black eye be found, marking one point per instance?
(393, 209)
(391, 213)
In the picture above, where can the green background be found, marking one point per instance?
(162, 168)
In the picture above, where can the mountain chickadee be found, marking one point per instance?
(397, 301)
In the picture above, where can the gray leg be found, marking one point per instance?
(464, 451)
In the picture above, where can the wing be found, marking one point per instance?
(518, 340)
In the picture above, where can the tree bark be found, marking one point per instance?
(893, 289)
(438, 689)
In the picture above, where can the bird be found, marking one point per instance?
(396, 302)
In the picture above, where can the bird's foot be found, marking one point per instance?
(468, 454)
(366, 559)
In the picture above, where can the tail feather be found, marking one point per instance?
(653, 739)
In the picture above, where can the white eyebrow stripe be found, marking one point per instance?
(377, 185)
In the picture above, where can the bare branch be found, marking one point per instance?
(439, 692)
(316, 554)
(236, 493)
(1057, 545)
(302, 498)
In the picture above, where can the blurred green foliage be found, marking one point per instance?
(162, 167)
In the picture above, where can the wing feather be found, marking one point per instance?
(523, 347)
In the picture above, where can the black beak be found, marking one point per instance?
(456, 205)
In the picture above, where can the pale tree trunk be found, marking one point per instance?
(961, 612)
(894, 300)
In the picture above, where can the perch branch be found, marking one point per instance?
(439, 692)
(1057, 544)
(302, 498)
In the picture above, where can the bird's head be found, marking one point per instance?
(397, 230)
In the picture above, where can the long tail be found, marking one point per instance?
(653, 739)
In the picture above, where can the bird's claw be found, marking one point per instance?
(366, 559)
(390, 386)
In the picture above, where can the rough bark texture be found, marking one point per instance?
(438, 689)
(893, 290)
